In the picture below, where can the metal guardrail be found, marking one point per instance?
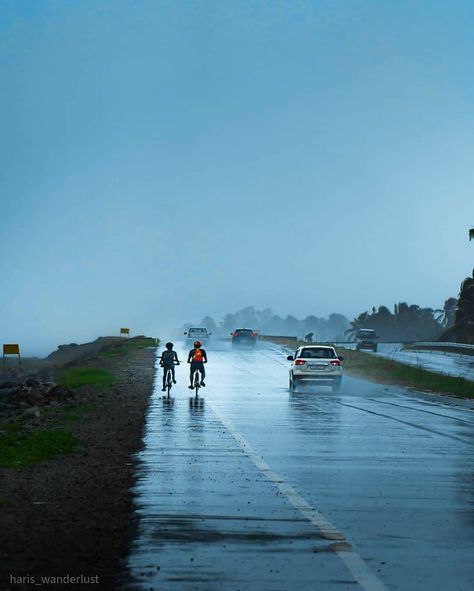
(461, 348)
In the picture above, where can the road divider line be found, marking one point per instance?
(359, 570)
(429, 412)
(403, 422)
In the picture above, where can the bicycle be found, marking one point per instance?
(168, 382)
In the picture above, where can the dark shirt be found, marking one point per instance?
(168, 358)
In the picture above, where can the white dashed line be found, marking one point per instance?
(353, 562)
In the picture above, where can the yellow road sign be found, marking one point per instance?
(11, 349)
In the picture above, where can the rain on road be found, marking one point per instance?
(260, 489)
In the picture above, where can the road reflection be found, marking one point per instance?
(311, 412)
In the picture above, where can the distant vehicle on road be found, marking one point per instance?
(316, 364)
(244, 336)
(197, 333)
(366, 339)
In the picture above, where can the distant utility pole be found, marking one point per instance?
(471, 234)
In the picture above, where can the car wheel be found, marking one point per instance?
(337, 384)
(292, 384)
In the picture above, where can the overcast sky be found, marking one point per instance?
(164, 160)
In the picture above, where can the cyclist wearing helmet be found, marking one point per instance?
(169, 359)
(197, 358)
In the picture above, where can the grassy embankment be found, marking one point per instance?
(388, 371)
(128, 346)
(20, 446)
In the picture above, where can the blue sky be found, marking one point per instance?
(166, 160)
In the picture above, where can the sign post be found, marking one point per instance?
(124, 332)
(11, 349)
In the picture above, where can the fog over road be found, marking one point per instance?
(260, 489)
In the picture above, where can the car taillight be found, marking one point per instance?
(335, 362)
(300, 362)
(254, 334)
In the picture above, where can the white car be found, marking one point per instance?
(197, 334)
(316, 364)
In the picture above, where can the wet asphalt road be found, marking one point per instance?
(257, 489)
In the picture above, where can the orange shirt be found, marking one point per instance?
(197, 355)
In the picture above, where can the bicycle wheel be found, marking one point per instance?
(197, 383)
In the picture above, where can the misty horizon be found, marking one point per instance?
(175, 331)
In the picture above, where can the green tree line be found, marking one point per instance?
(405, 323)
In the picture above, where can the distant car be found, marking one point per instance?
(197, 334)
(366, 339)
(316, 364)
(244, 336)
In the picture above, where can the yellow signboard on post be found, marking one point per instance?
(124, 331)
(11, 349)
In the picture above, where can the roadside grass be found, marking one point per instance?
(69, 413)
(76, 377)
(129, 345)
(388, 371)
(19, 448)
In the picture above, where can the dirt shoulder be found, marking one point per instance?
(71, 515)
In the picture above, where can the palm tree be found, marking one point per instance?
(446, 315)
(357, 324)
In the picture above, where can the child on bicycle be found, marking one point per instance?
(197, 358)
(169, 359)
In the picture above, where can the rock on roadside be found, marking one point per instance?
(20, 398)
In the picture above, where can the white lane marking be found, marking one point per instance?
(353, 562)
